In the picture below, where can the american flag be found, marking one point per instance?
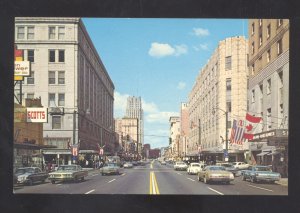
(237, 133)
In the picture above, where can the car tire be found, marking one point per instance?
(244, 178)
(199, 179)
(252, 179)
(205, 180)
(102, 174)
(53, 181)
(30, 182)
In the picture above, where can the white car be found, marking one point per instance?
(180, 166)
(194, 168)
(240, 165)
(127, 165)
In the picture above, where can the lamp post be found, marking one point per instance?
(226, 135)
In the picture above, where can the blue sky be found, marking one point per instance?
(159, 60)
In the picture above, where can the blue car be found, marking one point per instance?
(260, 173)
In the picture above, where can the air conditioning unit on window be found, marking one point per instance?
(56, 110)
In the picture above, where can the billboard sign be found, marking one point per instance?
(22, 68)
(37, 115)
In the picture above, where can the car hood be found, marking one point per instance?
(23, 175)
(61, 172)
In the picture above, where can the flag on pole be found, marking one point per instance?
(237, 132)
(249, 127)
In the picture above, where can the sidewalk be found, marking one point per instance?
(283, 181)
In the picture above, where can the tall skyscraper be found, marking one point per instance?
(134, 110)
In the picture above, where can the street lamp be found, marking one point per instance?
(226, 135)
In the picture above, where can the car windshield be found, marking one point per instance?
(66, 168)
(227, 165)
(180, 163)
(195, 165)
(24, 170)
(216, 168)
(268, 169)
(111, 165)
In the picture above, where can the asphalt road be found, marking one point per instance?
(151, 179)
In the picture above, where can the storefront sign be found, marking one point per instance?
(272, 133)
(37, 115)
(19, 115)
(22, 68)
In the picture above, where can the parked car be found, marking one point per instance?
(110, 168)
(68, 172)
(163, 163)
(260, 173)
(194, 168)
(229, 167)
(240, 165)
(215, 174)
(179, 165)
(127, 165)
(29, 175)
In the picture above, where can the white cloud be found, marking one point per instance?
(201, 47)
(120, 102)
(200, 32)
(181, 85)
(149, 107)
(160, 50)
(160, 117)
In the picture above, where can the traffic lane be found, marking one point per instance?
(240, 187)
(174, 182)
(68, 187)
(133, 181)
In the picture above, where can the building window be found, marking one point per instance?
(30, 79)
(228, 106)
(56, 122)
(228, 84)
(280, 75)
(61, 33)
(51, 99)
(253, 96)
(252, 29)
(30, 95)
(269, 121)
(51, 55)
(260, 39)
(269, 86)
(269, 31)
(30, 55)
(279, 47)
(252, 69)
(260, 22)
(268, 55)
(252, 48)
(61, 56)
(30, 32)
(51, 78)
(228, 63)
(61, 77)
(21, 33)
(61, 99)
(51, 32)
(261, 88)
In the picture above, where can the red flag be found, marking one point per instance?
(252, 119)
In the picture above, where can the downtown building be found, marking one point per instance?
(174, 138)
(268, 94)
(69, 77)
(184, 131)
(220, 87)
(134, 110)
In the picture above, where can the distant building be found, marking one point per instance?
(154, 153)
(184, 129)
(134, 109)
(174, 122)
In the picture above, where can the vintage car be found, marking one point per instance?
(110, 168)
(163, 162)
(67, 173)
(194, 168)
(215, 174)
(29, 175)
(229, 167)
(127, 165)
(240, 165)
(260, 173)
(179, 165)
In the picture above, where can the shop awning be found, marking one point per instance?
(274, 153)
(56, 151)
(263, 153)
(88, 152)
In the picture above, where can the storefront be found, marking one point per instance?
(272, 149)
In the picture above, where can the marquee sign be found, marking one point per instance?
(37, 115)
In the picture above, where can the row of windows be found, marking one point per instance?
(268, 29)
(51, 78)
(28, 32)
(52, 99)
(54, 55)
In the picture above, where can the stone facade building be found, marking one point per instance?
(220, 87)
(71, 80)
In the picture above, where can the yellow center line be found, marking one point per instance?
(153, 185)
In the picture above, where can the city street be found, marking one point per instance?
(152, 178)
